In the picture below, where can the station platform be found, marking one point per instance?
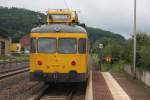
(117, 86)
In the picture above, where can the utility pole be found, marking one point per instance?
(134, 42)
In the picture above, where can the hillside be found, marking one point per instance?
(16, 22)
(103, 36)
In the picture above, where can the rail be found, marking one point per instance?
(10, 66)
(60, 92)
(12, 73)
(56, 96)
(70, 95)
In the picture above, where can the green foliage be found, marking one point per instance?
(120, 49)
(6, 59)
(103, 36)
(114, 49)
(117, 67)
(106, 38)
(128, 51)
(114, 44)
(143, 50)
(144, 59)
(16, 22)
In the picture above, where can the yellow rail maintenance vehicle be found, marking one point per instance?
(15, 48)
(59, 49)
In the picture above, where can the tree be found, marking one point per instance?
(17, 22)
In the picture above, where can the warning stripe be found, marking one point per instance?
(117, 92)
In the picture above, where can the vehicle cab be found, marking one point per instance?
(65, 16)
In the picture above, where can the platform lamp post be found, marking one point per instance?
(134, 42)
(100, 61)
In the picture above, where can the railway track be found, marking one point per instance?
(13, 72)
(55, 96)
(62, 92)
(7, 71)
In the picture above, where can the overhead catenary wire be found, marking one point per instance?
(66, 4)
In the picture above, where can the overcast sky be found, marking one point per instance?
(112, 15)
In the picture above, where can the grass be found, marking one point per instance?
(116, 67)
(6, 59)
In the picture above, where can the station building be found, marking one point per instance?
(4, 45)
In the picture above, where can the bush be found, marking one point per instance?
(143, 51)
(144, 59)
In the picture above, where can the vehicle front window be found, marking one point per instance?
(58, 17)
(67, 45)
(82, 46)
(46, 45)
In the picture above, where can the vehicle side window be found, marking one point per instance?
(33, 45)
(82, 45)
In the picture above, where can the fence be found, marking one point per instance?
(142, 75)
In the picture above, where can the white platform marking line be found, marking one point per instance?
(117, 92)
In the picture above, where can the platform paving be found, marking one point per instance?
(100, 88)
(116, 90)
(135, 88)
(118, 86)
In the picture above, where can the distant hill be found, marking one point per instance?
(103, 36)
(16, 22)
